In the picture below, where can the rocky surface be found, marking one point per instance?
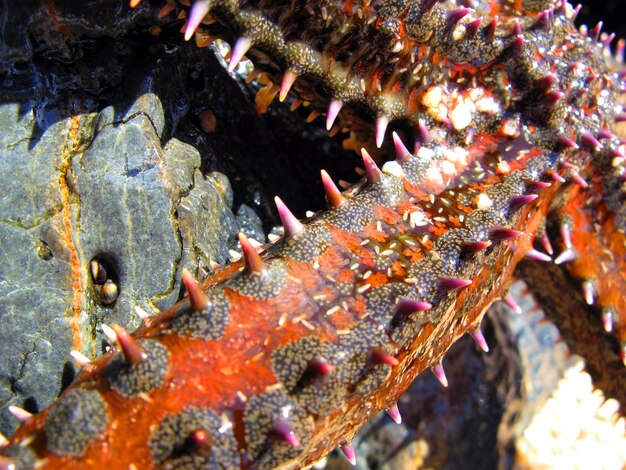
(106, 157)
(95, 187)
(562, 420)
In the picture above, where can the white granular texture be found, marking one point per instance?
(577, 428)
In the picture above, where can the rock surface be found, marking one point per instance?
(94, 187)
(97, 165)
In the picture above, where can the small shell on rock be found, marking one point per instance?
(98, 270)
(108, 292)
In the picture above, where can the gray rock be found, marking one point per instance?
(250, 223)
(91, 170)
(205, 221)
(36, 275)
(127, 207)
(94, 186)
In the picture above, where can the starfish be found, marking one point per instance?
(489, 121)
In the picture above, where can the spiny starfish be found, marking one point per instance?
(510, 114)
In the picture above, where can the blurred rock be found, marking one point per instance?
(562, 421)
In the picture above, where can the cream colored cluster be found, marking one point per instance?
(458, 106)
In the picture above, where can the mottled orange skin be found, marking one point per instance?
(206, 374)
(601, 252)
(223, 374)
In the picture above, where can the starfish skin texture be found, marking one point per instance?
(503, 120)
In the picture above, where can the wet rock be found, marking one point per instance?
(99, 169)
(36, 275)
(95, 190)
(206, 222)
(382, 444)
(39, 54)
(250, 223)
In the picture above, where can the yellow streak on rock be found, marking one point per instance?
(78, 289)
